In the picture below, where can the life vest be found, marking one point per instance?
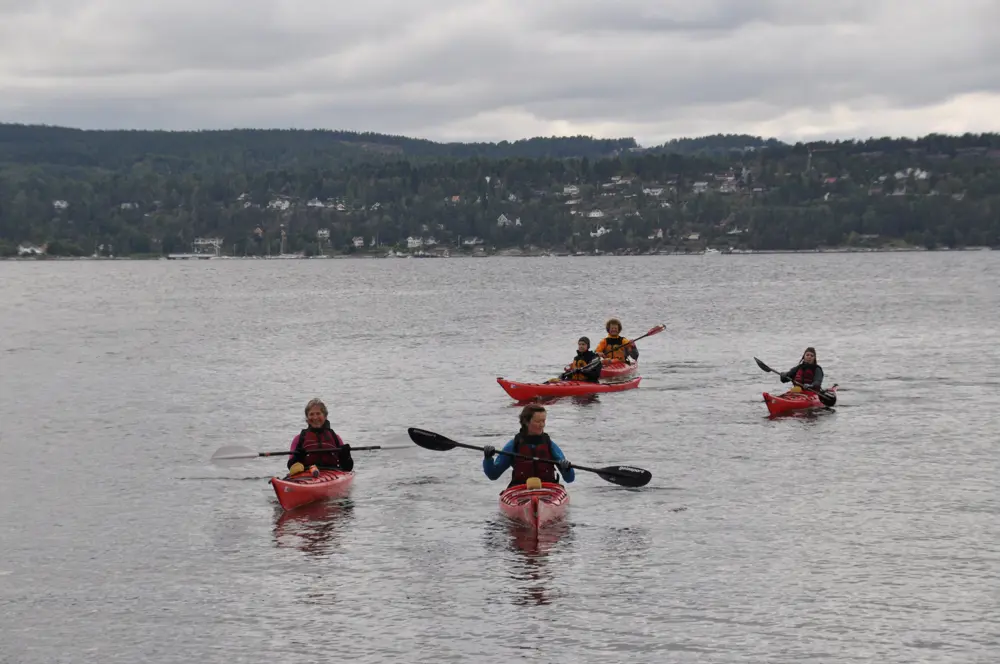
(614, 348)
(580, 361)
(525, 468)
(805, 374)
(314, 443)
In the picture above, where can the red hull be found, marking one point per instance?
(618, 370)
(535, 507)
(303, 488)
(790, 402)
(563, 388)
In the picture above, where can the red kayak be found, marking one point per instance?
(535, 507)
(303, 488)
(618, 370)
(562, 388)
(794, 401)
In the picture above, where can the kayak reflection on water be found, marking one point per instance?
(533, 574)
(313, 528)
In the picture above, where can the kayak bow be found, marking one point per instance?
(535, 507)
(791, 401)
(303, 488)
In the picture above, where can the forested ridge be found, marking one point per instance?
(76, 192)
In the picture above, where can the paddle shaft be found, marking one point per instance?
(593, 363)
(250, 454)
(333, 449)
(531, 458)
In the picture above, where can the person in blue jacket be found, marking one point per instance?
(531, 441)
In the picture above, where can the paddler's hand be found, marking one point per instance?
(489, 451)
(563, 465)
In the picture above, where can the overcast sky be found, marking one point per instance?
(507, 69)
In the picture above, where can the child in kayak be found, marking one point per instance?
(614, 346)
(532, 441)
(319, 445)
(806, 372)
(584, 357)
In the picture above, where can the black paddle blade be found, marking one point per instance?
(764, 366)
(629, 476)
(828, 399)
(430, 440)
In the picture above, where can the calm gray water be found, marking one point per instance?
(868, 534)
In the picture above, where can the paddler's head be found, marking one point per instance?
(583, 345)
(613, 326)
(316, 413)
(533, 420)
(809, 356)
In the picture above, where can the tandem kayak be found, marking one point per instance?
(303, 488)
(791, 401)
(618, 370)
(562, 388)
(535, 507)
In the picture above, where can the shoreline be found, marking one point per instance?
(506, 253)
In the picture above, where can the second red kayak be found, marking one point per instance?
(535, 507)
(779, 404)
(618, 370)
(303, 488)
(562, 388)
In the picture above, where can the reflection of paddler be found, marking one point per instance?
(314, 528)
(614, 346)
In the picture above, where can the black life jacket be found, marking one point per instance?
(320, 447)
(580, 361)
(525, 468)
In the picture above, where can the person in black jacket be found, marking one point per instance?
(807, 372)
(584, 357)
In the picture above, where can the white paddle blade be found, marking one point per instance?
(233, 453)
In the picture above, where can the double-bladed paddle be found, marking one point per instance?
(622, 475)
(828, 399)
(232, 452)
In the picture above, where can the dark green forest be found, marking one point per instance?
(76, 192)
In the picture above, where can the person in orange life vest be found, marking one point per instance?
(531, 440)
(584, 356)
(318, 445)
(614, 346)
(806, 372)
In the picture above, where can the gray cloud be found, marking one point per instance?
(495, 69)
